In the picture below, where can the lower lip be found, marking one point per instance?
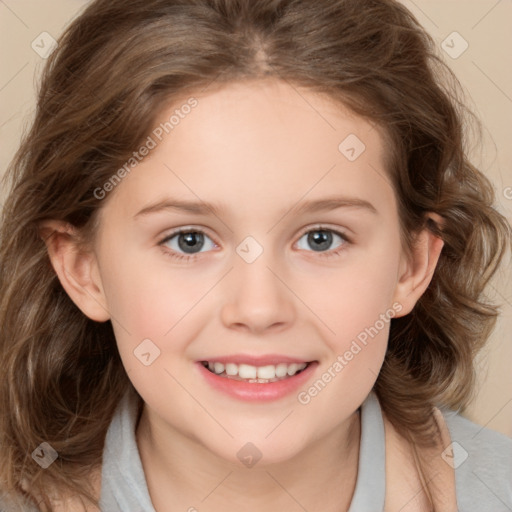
(257, 392)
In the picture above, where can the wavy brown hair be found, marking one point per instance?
(115, 67)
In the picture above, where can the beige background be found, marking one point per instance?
(483, 68)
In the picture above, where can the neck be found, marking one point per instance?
(184, 475)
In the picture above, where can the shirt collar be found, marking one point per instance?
(124, 487)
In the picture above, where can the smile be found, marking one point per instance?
(256, 378)
(255, 374)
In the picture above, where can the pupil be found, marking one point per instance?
(322, 239)
(186, 241)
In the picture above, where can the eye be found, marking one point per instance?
(322, 239)
(187, 243)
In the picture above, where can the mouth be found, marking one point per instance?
(255, 374)
(256, 379)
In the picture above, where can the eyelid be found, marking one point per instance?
(324, 227)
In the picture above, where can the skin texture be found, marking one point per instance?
(258, 150)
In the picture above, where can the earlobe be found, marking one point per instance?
(75, 268)
(419, 268)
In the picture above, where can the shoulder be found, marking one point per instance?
(482, 459)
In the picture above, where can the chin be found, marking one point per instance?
(255, 451)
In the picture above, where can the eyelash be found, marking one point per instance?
(192, 257)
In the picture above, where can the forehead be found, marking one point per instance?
(259, 142)
(274, 113)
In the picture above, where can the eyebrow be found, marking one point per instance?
(203, 207)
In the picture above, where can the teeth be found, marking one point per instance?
(281, 370)
(261, 374)
(218, 368)
(246, 371)
(292, 369)
(267, 372)
(231, 369)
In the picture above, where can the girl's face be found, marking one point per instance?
(292, 258)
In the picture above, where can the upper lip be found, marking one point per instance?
(262, 360)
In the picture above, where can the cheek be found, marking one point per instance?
(356, 307)
(355, 296)
(146, 294)
(150, 300)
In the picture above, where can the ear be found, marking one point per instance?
(417, 269)
(76, 268)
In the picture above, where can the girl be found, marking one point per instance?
(311, 354)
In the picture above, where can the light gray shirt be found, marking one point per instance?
(482, 460)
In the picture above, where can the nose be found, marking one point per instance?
(256, 298)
